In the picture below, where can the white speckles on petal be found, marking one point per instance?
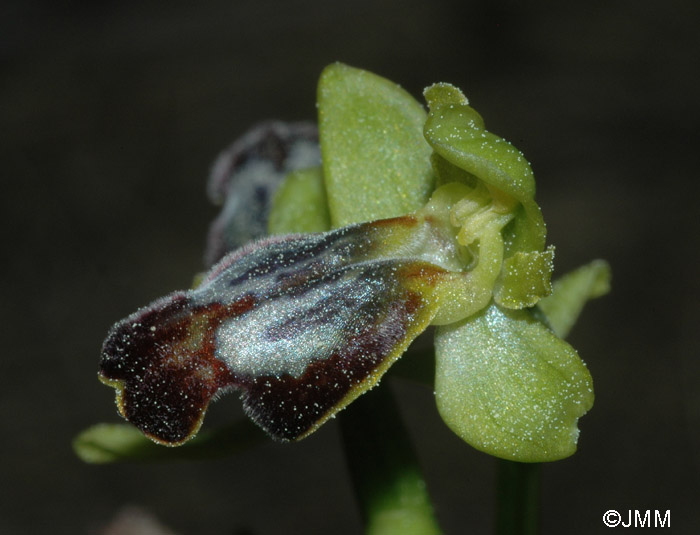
(508, 386)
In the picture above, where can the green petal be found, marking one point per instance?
(456, 132)
(525, 279)
(446, 173)
(300, 204)
(510, 387)
(111, 443)
(376, 162)
(571, 292)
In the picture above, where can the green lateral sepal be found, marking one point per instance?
(510, 387)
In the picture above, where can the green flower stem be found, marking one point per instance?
(517, 498)
(387, 479)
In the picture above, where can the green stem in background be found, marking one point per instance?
(387, 479)
(517, 498)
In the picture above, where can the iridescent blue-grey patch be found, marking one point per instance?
(300, 325)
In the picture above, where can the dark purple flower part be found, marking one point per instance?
(301, 325)
(245, 177)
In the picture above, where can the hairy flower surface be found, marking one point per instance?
(435, 223)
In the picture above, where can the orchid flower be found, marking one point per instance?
(412, 219)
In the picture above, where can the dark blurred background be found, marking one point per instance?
(111, 114)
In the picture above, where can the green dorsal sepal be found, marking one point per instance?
(376, 163)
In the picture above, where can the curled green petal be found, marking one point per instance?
(456, 133)
(510, 387)
(525, 279)
(376, 162)
(571, 292)
(300, 204)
